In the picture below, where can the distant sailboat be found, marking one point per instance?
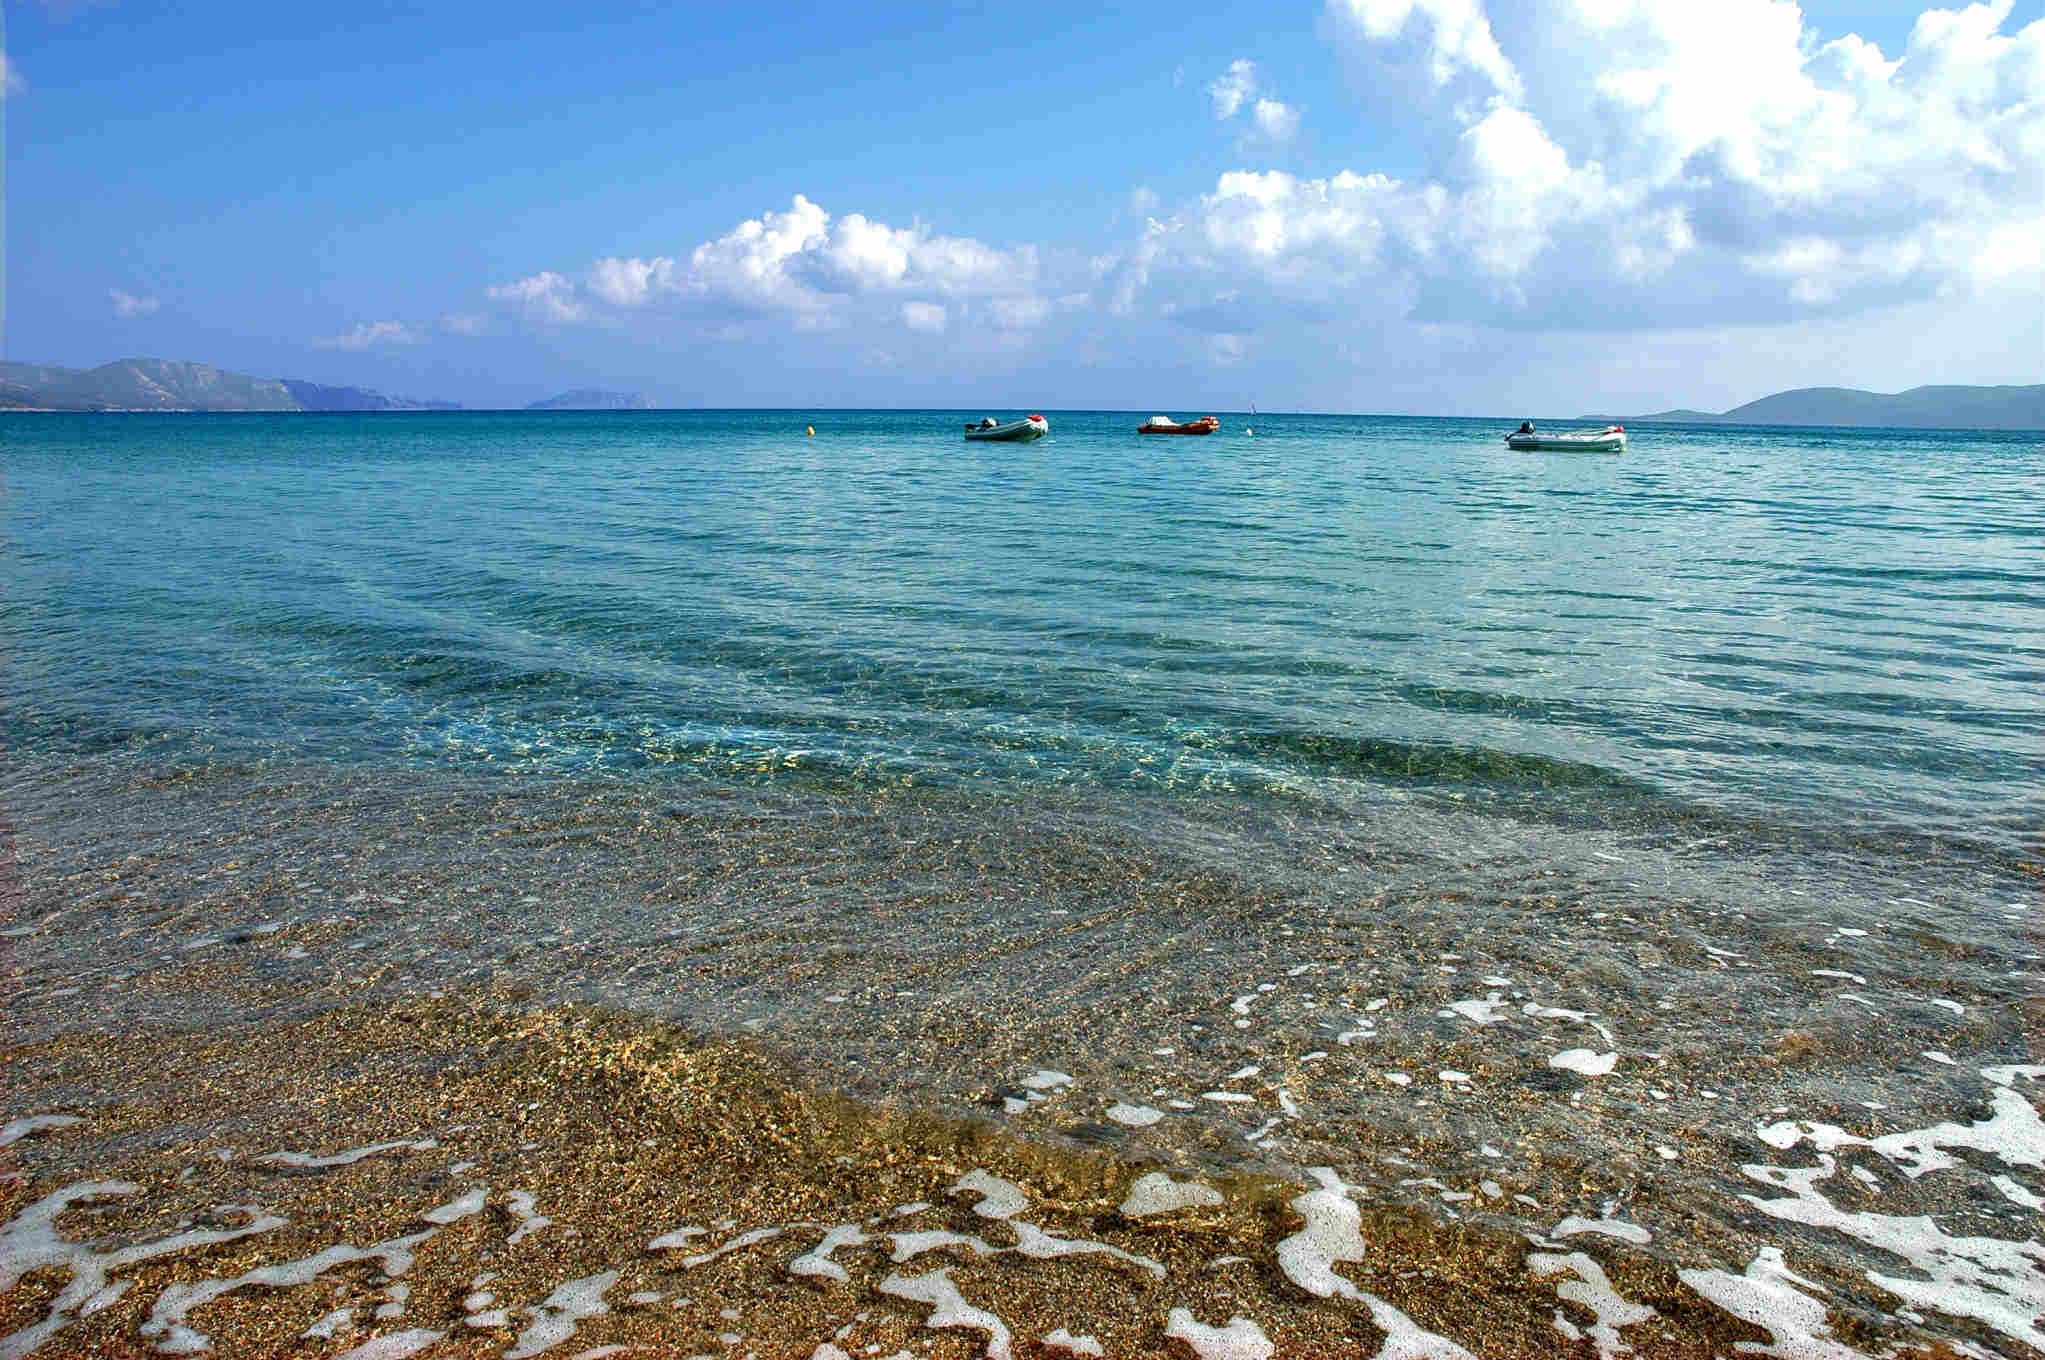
(1253, 414)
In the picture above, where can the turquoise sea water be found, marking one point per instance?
(1822, 628)
(1540, 840)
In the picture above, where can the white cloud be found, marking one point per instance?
(1239, 88)
(372, 333)
(1229, 89)
(127, 305)
(464, 323)
(628, 283)
(546, 295)
(1595, 163)
(802, 266)
(1275, 120)
(1450, 42)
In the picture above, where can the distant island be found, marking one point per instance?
(590, 399)
(181, 385)
(316, 397)
(1943, 408)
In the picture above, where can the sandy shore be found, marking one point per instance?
(327, 1066)
(510, 1154)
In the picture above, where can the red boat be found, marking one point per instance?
(1166, 425)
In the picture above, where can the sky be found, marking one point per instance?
(1457, 207)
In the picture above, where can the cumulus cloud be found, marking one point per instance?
(1445, 40)
(1229, 89)
(127, 305)
(464, 323)
(1593, 164)
(803, 266)
(369, 334)
(546, 295)
(1239, 88)
(1275, 119)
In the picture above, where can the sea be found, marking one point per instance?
(1333, 796)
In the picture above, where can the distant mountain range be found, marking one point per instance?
(590, 399)
(316, 397)
(179, 385)
(1946, 408)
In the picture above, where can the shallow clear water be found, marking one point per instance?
(1824, 628)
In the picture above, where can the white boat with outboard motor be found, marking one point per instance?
(1029, 427)
(1610, 439)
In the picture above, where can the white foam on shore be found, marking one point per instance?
(456, 1210)
(1585, 1062)
(1609, 1227)
(908, 1246)
(1996, 1282)
(1591, 1289)
(1765, 1296)
(306, 1161)
(1134, 1116)
(817, 1260)
(14, 1130)
(948, 1308)
(2009, 1075)
(554, 1319)
(30, 1241)
(166, 1324)
(1034, 1242)
(1241, 1339)
(2014, 1133)
(2015, 1193)
(1333, 1233)
(1077, 1345)
(739, 1243)
(999, 1199)
(1557, 1013)
(1490, 1011)
(529, 1222)
(394, 1346)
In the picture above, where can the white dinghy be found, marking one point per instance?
(1611, 439)
(1029, 427)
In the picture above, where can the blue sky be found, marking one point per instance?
(1454, 206)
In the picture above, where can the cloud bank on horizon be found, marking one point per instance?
(1598, 165)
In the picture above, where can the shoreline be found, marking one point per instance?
(513, 1153)
(1540, 1092)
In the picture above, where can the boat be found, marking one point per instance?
(1611, 439)
(1166, 425)
(1029, 427)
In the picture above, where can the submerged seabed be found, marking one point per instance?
(1796, 1076)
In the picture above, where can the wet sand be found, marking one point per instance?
(786, 1074)
(623, 1132)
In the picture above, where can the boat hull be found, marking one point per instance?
(1014, 432)
(1566, 443)
(1206, 426)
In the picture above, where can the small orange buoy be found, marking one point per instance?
(810, 430)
